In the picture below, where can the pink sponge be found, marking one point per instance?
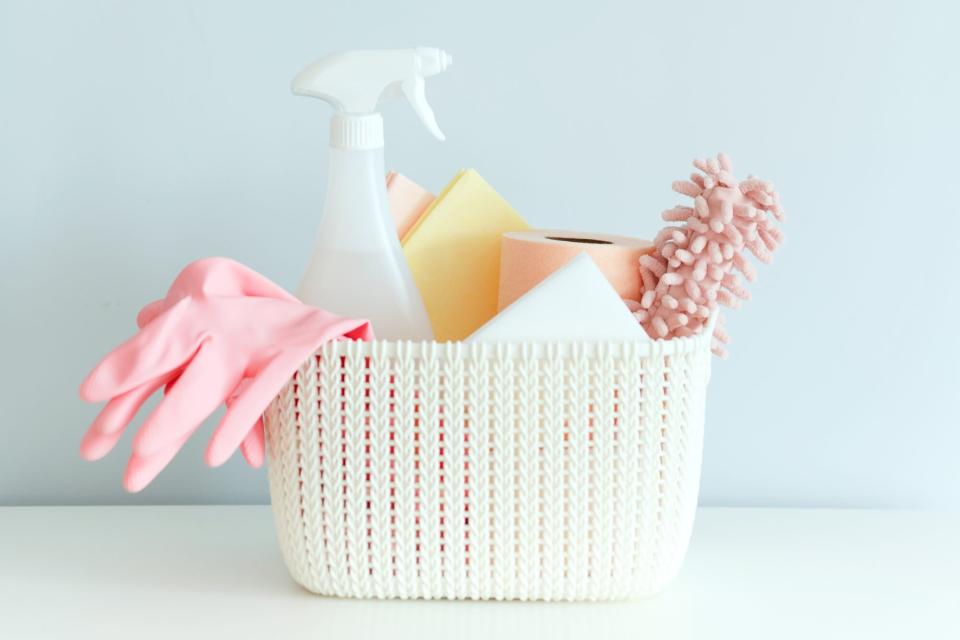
(692, 267)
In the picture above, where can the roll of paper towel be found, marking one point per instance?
(527, 257)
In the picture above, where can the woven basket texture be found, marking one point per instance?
(558, 471)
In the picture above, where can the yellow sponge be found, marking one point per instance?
(454, 254)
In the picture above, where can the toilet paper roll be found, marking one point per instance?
(527, 257)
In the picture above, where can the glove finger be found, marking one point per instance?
(150, 312)
(96, 445)
(206, 382)
(118, 412)
(252, 446)
(247, 408)
(109, 425)
(159, 348)
(141, 470)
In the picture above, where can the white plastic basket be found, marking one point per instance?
(489, 471)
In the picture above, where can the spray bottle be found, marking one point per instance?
(358, 269)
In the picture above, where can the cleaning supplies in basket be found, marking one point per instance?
(408, 467)
(223, 333)
(357, 268)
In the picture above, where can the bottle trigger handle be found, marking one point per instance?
(414, 88)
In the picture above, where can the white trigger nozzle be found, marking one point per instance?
(354, 82)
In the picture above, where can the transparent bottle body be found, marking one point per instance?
(357, 268)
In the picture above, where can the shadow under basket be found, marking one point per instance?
(554, 471)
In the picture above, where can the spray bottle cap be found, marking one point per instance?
(354, 82)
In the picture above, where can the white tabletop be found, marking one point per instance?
(211, 572)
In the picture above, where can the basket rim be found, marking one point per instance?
(562, 348)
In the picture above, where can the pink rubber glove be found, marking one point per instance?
(223, 333)
(227, 283)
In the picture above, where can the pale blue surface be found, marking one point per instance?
(135, 137)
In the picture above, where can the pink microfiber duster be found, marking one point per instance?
(692, 267)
